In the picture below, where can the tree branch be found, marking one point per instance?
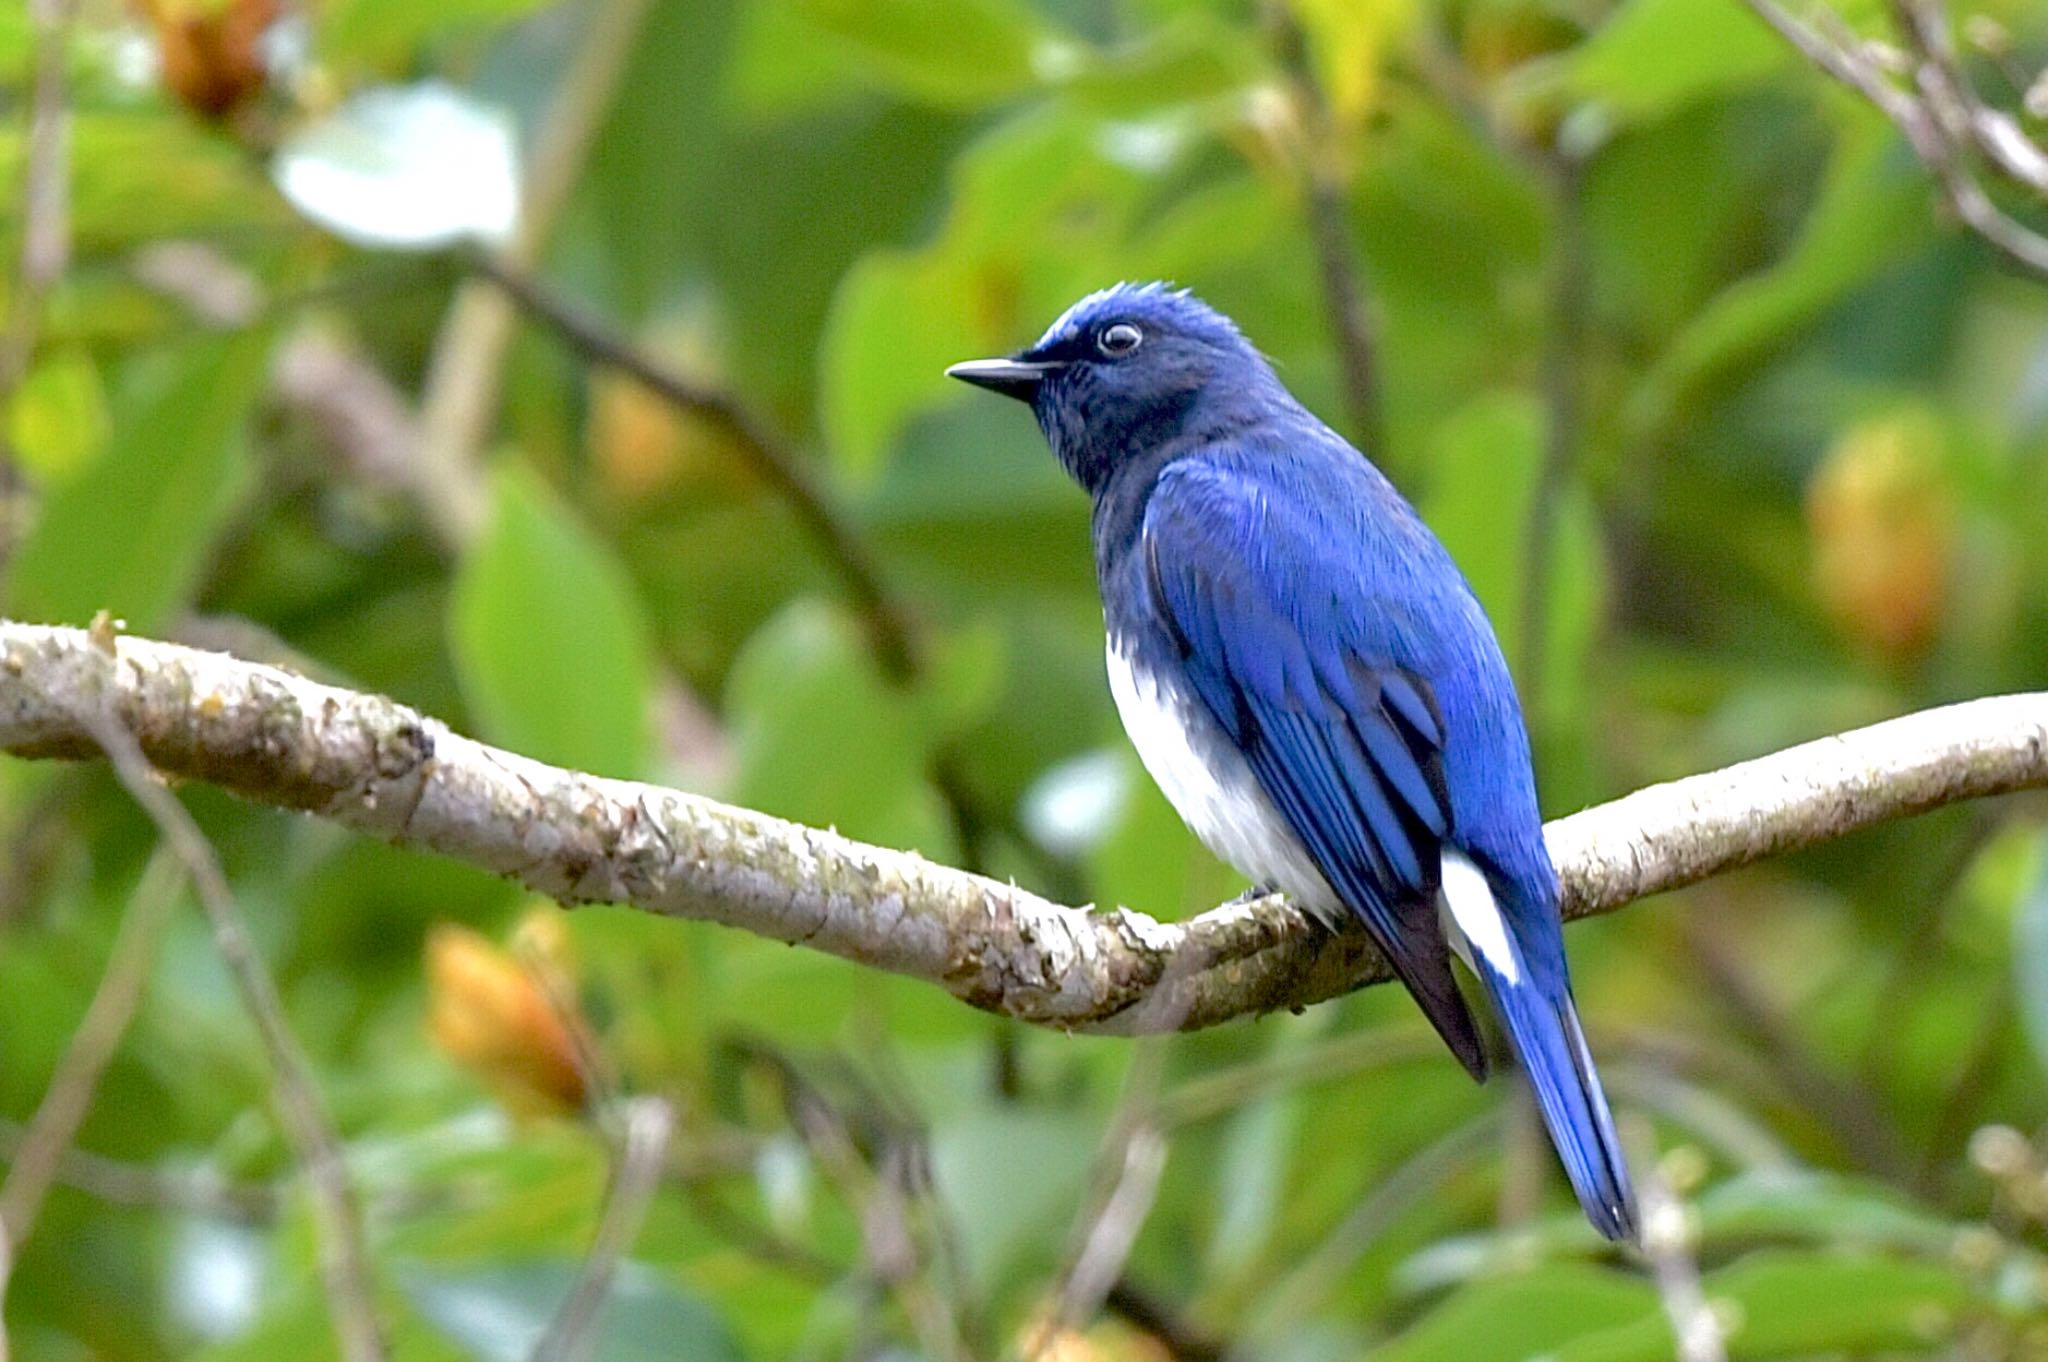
(782, 469)
(388, 771)
(1942, 118)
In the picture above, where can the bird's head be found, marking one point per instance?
(1125, 370)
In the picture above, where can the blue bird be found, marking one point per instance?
(1310, 680)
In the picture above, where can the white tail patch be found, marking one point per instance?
(1472, 919)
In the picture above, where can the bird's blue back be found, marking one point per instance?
(1350, 569)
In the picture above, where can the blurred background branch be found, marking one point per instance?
(781, 468)
(343, 1255)
(1938, 109)
(39, 1152)
(1325, 173)
(458, 404)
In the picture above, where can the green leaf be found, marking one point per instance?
(821, 737)
(963, 678)
(1149, 860)
(1822, 1207)
(1189, 62)
(780, 69)
(1259, 1144)
(896, 324)
(1039, 209)
(59, 419)
(1487, 467)
(297, 1318)
(140, 176)
(1485, 464)
(1525, 1315)
(388, 34)
(1011, 1178)
(131, 532)
(1787, 1304)
(1458, 233)
(1871, 213)
(548, 639)
(2030, 954)
(1628, 63)
(498, 1312)
(952, 52)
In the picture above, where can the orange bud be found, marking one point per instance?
(642, 443)
(634, 434)
(210, 53)
(487, 1013)
(1882, 522)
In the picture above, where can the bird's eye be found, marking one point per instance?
(1119, 339)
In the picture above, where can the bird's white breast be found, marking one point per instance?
(1210, 785)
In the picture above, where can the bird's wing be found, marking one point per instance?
(1347, 743)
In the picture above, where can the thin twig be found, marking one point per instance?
(1953, 99)
(1977, 1070)
(1920, 951)
(1391, 1196)
(199, 1191)
(1337, 1059)
(886, 618)
(45, 204)
(1127, 1173)
(384, 769)
(1850, 1113)
(602, 1091)
(1329, 227)
(1128, 1169)
(461, 390)
(764, 1244)
(1108, 1245)
(780, 467)
(1941, 124)
(572, 1335)
(1724, 1125)
(344, 1261)
(1670, 1240)
(38, 1156)
(881, 1193)
(1561, 358)
(45, 188)
(366, 422)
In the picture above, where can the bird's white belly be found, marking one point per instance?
(1212, 787)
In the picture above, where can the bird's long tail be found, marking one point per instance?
(1535, 1008)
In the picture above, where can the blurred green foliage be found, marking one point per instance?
(1738, 439)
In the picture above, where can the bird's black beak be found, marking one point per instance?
(1018, 378)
